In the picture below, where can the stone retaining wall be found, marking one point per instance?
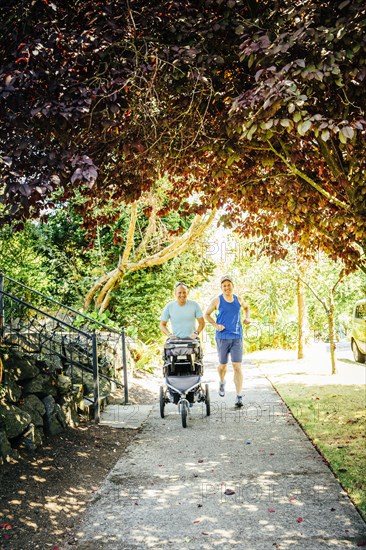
(36, 399)
(43, 396)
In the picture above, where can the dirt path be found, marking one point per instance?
(43, 495)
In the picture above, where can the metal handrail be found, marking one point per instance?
(89, 336)
(34, 308)
(78, 313)
(83, 333)
(111, 330)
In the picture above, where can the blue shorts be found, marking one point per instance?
(234, 347)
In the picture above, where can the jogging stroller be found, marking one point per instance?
(182, 370)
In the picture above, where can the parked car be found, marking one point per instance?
(358, 337)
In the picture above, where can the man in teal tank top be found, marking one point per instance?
(229, 333)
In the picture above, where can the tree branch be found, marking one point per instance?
(306, 178)
(151, 226)
(110, 281)
(324, 304)
(129, 240)
(178, 245)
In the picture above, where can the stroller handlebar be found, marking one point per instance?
(179, 339)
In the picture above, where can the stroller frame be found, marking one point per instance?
(182, 370)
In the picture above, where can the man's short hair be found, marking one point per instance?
(181, 284)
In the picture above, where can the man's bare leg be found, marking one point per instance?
(238, 377)
(221, 369)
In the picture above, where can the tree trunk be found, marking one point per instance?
(330, 317)
(332, 336)
(301, 318)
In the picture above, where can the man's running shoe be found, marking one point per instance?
(239, 401)
(222, 389)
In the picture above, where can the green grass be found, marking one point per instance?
(334, 418)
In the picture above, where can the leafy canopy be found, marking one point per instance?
(260, 111)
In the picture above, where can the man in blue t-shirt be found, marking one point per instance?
(229, 333)
(182, 314)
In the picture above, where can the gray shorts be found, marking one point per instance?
(232, 347)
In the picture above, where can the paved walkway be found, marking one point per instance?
(247, 479)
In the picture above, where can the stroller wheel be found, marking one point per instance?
(162, 401)
(207, 400)
(184, 412)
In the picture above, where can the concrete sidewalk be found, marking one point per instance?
(247, 479)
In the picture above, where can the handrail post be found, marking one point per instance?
(2, 313)
(96, 378)
(124, 362)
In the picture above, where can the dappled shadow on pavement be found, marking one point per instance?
(247, 479)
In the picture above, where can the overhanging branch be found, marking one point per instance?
(309, 180)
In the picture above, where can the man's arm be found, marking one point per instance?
(200, 320)
(164, 328)
(164, 320)
(201, 324)
(245, 307)
(214, 304)
(199, 329)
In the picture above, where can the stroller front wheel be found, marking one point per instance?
(162, 401)
(184, 412)
(207, 400)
